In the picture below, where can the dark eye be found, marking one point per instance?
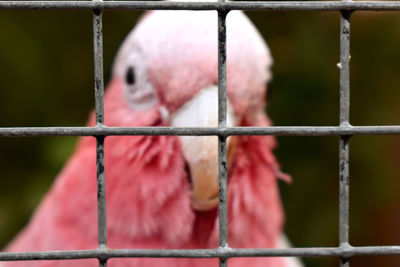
(130, 76)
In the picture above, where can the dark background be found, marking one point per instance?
(46, 79)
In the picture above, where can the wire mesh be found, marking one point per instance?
(345, 251)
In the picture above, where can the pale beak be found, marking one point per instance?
(201, 152)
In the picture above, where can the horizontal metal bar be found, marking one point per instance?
(191, 131)
(221, 6)
(105, 253)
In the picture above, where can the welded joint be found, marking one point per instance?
(346, 253)
(100, 132)
(346, 250)
(103, 253)
(223, 132)
(225, 251)
(346, 125)
(347, 128)
(97, 11)
(223, 10)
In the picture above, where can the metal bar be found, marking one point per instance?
(206, 131)
(345, 68)
(98, 66)
(220, 6)
(222, 161)
(222, 104)
(101, 198)
(99, 114)
(202, 253)
(344, 196)
(344, 139)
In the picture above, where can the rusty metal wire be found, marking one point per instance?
(345, 251)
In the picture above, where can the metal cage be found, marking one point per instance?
(344, 130)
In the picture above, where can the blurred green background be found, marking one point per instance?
(46, 79)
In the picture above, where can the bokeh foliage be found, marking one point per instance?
(46, 70)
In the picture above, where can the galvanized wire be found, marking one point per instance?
(99, 114)
(220, 6)
(222, 140)
(106, 253)
(344, 131)
(205, 131)
(344, 139)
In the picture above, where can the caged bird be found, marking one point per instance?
(162, 191)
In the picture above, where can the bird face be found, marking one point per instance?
(169, 63)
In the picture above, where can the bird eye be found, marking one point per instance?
(130, 76)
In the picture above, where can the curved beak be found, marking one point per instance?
(201, 152)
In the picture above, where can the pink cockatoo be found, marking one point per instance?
(162, 190)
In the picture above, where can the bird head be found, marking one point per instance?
(168, 67)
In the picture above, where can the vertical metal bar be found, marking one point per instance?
(101, 198)
(222, 162)
(222, 69)
(98, 65)
(344, 140)
(99, 110)
(345, 68)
